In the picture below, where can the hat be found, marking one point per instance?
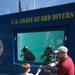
(61, 48)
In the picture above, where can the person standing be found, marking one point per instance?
(26, 67)
(65, 63)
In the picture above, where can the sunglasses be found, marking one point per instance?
(57, 53)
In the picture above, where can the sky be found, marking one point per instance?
(12, 6)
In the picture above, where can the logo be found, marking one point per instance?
(1, 47)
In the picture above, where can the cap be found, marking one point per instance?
(61, 48)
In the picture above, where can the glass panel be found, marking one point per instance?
(37, 44)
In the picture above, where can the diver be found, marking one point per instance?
(46, 55)
(27, 54)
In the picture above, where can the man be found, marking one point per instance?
(65, 63)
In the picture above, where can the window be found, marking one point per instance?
(38, 46)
